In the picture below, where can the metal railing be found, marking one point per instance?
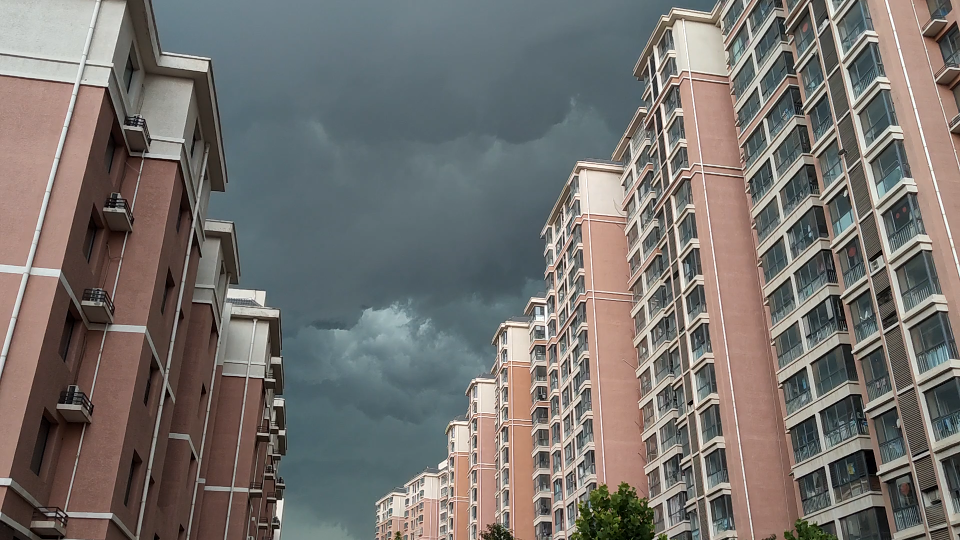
(778, 314)
(878, 386)
(847, 430)
(806, 451)
(98, 295)
(778, 120)
(825, 330)
(907, 517)
(800, 146)
(866, 78)
(816, 503)
(798, 401)
(891, 450)
(905, 233)
(854, 274)
(806, 189)
(50, 513)
(865, 328)
(918, 293)
(75, 396)
(936, 355)
(820, 280)
(791, 354)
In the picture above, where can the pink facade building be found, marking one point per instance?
(511, 369)
(123, 415)
(421, 513)
(389, 512)
(482, 424)
(457, 496)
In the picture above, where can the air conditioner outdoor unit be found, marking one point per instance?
(876, 264)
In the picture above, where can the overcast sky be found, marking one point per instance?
(391, 163)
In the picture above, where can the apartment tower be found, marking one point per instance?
(511, 369)
(389, 516)
(593, 434)
(540, 414)
(422, 506)
(482, 421)
(113, 284)
(458, 471)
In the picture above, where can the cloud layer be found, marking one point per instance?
(391, 164)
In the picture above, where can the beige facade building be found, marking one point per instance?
(457, 496)
(389, 512)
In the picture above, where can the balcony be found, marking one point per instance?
(790, 151)
(891, 450)
(936, 355)
(263, 431)
(97, 306)
(269, 381)
(777, 120)
(117, 214)
(846, 430)
(273, 496)
(907, 517)
(854, 274)
(75, 406)
(256, 490)
(867, 77)
(865, 328)
(806, 451)
(275, 523)
(137, 134)
(820, 280)
(722, 525)
(905, 233)
(791, 354)
(878, 386)
(276, 368)
(913, 296)
(269, 472)
(816, 503)
(719, 476)
(825, 330)
(950, 69)
(49, 522)
(798, 401)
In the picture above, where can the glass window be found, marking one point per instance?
(824, 320)
(761, 182)
(767, 220)
(767, 43)
(854, 475)
(875, 372)
(820, 118)
(890, 167)
(730, 18)
(774, 260)
(804, 34)
(903, 502)
(749, 110)
(700, 341)
(866, 525)
(710, 423)
(687, 229)
(939, 8)
(696, 302)
(789, 105)
(843, 420)
(851, 263)
(903, 222)
(814, 274)
(833, 369)
(864, 317)
(754, 146)
(775, 75)
(812, 75)
(854, 24)
(918, 280)
(787, 153)
(866, 68)
(933, 342)
(716, 467)
(807, 230)
(706, 381)
(889, 436)
(805, 440)
(796, 392)
(782, 302)
(743, 78)
(877, 116)
(830, 166)
(950, 46)
(802, 185)
(943, 402)
(722, 510)
(739, 45)
(789, 345)
(691, 265)
(814, 492)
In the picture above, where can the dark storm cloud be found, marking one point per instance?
(391, 164)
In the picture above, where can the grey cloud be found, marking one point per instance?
(391, 164)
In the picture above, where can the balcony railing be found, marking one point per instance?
(719, 476)
(844, 431)
(866, 78)
(804, 190)
(74, 396)
(905, 233)
(918, 293)
(798, 146)
(854, 33)
(891, 450)
(764, 230)
(825, 330)
(856, 488)
(821, 279)
(702, 349)
(722, 525)
(816, 503)
(798, 401)
(806, 450)
(936, 355)
(865, 328)
(878, 386)
(906, 517)
(854, 274)
(779, 119)
(791, 354)
(778, 314)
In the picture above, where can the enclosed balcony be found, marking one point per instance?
(824, 320)
(75, 406)
(97, 306)
(117, 214)
(933, 342)
(903, 222)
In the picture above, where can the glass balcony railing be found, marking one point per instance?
(825, 330)
(905, 233)
(936, 355)
(854, 274)
(891, 450)
(844, 431)
(798, 401)
(946, 425)
(878, 386)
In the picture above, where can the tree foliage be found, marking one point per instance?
(496, 531)
(398, 536)
(615, 516)
(804, 530)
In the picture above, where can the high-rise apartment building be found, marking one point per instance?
(511, 369)
(457, 500)
(482, 421)
(120, 402)
(714, 445)
(593, 434)
(541, 410)
(389, 512)
(422, 505)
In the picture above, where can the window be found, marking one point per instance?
(672, 101)
(722, 510)
(903, 222)
(129, 69)
(933, 342)
(691, 265)
(40, 447)
(739, 45)
(789, 345)
(824, 320)
(716, 467)
(90, 239)
(767, 220)
(805, 439)
(820, 118)
(812, 75)
(696, 302)
(814, 274)
(781, 302)
(700, 341)
(679, 161)
(854, 475)
(167, 289)
(761, 182)
(939, 8)
(774, 35)
(851, 263)
(131, 478)
(796, 392)
(830, 166)
(889, 436)
(854, 24)
(843, 420)
(773, 261)
(918, 280)
(676, 132)
(710, 423)
(875, 372)
(865, 525)
(807, 230)
(866, 68)
(666, 43)
(754, 146)
(877, 116)
(903, 502)
(890, 167)
(776, 74)
(762, 10)
(197, 137)
(730, 18)
(789, 105)
(950, 45)
(814, 492)
(801, 185)
(110, 153)
(804, 35)
(706, 381)
(833, 369)
(687, 229)
(743, 78)
(66, 336)
(748, 111)
(798, 142)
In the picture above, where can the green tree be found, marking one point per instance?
(615, 516)
(398, 536)
(496, 531)
(804, 530)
